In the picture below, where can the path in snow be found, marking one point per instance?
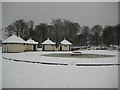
(53, 63)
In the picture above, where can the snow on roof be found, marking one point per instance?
(14, 39)
(30, 41)
(48, 41)
(66, 42)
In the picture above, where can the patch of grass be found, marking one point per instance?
(68, 55)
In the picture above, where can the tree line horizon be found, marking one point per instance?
(59, 29)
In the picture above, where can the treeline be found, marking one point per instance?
(60, 29)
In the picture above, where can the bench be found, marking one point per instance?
(76, 53)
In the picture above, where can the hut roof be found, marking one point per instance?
(14, 39)
(65, 42)
(30, 41)
(48, 41)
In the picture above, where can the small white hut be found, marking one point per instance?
(65, 45)
(48, 45)
(13, 44)
(31, 45)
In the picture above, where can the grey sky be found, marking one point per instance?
(0, 15)
(89, 13)
(119, 12)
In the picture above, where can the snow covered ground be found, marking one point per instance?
(32, 75)
(36, 56)
(0, 68)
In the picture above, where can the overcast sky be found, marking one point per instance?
(0, 15)
(89, 13)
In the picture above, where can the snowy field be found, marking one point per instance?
(32, 75)
(36, 56)
(0, 68)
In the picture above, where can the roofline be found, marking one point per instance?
(65, 44)
(32, 43)
(12, 43)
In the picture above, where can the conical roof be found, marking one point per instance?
(30, 41)
(14, 39)
(65, 42)
(48, 41)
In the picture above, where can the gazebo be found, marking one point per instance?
(48, 45)
(65, 45)
(13, 44)
(31, 45)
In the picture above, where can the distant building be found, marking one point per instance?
(48, 45)
(65, 45)
(14, 44)
(31, 45)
